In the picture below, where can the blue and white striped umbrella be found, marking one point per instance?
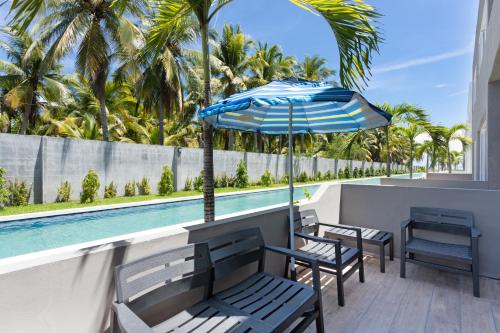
(295, 107)
(317, 108)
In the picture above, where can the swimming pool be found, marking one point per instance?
(37, 234)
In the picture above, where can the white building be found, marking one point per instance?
(485, 95)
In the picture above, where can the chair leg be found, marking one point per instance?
(361, 269)
(391, 249)
(287, 267)
(475, 279)
(382, 258)
(320, 323)
(402, 272)
(340, 287)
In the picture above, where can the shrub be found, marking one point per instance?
(361, 172)
(341, 174)
(319, 176)
(328, 175)
(372, 171)
(355, 172)
(4, 190)
(241, 175)
(143, 186)
(19, 193)
(63, 192)
(110, 191)
(166, 183)
(217, 182)
(347, 172)
(130, 189)
(302, 177)
(284, 179)
(227, 181)
(90, 186)
(266, 179)
(188, 186)
(198, 182)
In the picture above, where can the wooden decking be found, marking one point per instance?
(426, 301)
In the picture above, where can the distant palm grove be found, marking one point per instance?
(140, 77)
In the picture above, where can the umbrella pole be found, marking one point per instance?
(293, 274)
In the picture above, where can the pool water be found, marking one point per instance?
(31, 235)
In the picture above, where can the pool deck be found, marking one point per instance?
(427, 300)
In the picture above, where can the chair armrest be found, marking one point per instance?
(314, 264)
(291, 253)
(475, 232)
(316, 238)
(405, 223)
(128, 321)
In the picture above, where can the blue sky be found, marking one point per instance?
(426, 58)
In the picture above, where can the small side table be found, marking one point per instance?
(369, 236)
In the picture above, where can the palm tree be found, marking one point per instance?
(410, 132)
(401, 113)
(268, 64)
(230, 55)
(28, 84)
(436, 145)
(100, 22)
(451, 134)
(96, 29)
(164, 58)
(314, 69)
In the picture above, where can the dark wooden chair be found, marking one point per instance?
(332, 256)
(438, 220)
(274, 301)
(261, 303)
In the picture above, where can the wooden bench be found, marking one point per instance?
(438, 220)
(369, 236)
(260, 303)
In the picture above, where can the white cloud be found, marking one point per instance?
(421, 61)
(440, 85)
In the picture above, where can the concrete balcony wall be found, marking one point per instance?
(71, 289)
(448, 176)
(384, 207)
(466, 184)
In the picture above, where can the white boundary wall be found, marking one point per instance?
(46, 162)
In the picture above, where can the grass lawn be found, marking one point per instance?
(33, 208)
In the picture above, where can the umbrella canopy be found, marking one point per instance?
(293, 107)
(317, 108)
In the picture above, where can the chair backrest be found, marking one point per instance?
(444, 220)
(228, 252)
(149, 281)
(306, 221)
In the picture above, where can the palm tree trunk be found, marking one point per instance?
(280, 143)
(161, 118)
(302, 144)
(449, 157)
(208, 153)
(411, 159)
(104, 117)
(27, 113)
(231, 140)
(388, 167)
